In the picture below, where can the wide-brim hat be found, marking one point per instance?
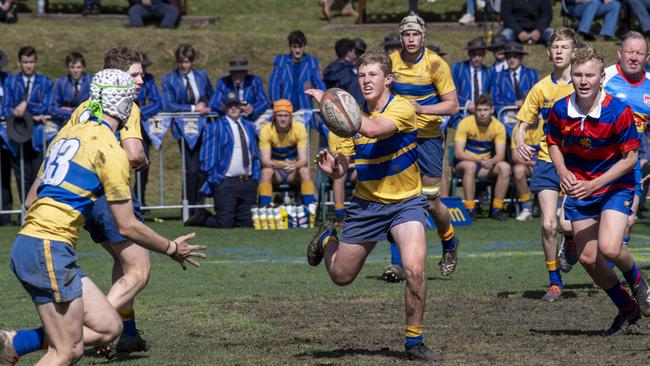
(392, 39)
(145, 60)
(436, 49)
(514, 47)
(498, 42)
(19, 129)
(4, 60)
(238, 64)
(477, 44)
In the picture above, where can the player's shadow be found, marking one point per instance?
(380, 278)
(578, 286)
(119, 357)
(537, 294)
(569, 332)
(340, 353)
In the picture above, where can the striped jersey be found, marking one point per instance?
(634, 94)
(132, 128)
(533, 137)
(83, 162)
(593, 143)
(480, 140)
(538, 102)
(387, 167)
(283, 145)
(425, 81)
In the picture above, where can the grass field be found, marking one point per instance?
(255, 301)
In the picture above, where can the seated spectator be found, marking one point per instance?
(524, 169)
(248, 88)
(294, 73)
(346, 11)
(640, 10)
(512, 85)
(497, 47)
(92, 7)
(391, 43)
(69, 91)
(476, 137)
(230, 162)
(164, 10)
(342, 72)
(588, 10)
(527, 21)
(471, 78)
(8, 11)
(470, 15)
(283, 152)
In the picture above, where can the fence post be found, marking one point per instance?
(185, 211)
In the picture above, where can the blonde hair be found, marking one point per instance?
(583, 55)
(563, 34)
(376, 58)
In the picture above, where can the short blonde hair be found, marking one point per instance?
(563, 34)
(380, 58)
(585, 54)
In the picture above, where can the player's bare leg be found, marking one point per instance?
(548, 206)
(440, 214)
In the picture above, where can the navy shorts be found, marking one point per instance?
(588, 208)
(47, 269)
(368, 222)
(544, 177)
(431, 152)
(101, 224)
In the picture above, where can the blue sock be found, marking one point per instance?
(28, 340)
(556, 278)
(395, 257)
(412, 341)
(339, 212)
(129, 328)
(621, 298)
(633, 275)
(450, 244)
(626, 240)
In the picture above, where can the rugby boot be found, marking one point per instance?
(8, 355)
(420, 351)
(393, 273)
(552, 294)
(106, 351)
(565, 266)
(315, 248)
(641, 292)
(128, 344)
(449, 260)
(623, 322)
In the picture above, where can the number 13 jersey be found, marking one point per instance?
(82, 163)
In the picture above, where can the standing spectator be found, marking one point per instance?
(294, 73)
(5, 153)
(497, 46)
(471, 77)
(70, 90)
(150, 102)
(248, 88)
(527, 21)
(470, 14)
(28, 93)
(588, 10)
(188, 90)
(342, 72)
(640, 10)
(92, 7)
(391, 43)
(8, 11)
(346, 11)
(164, 10)
(230, 161)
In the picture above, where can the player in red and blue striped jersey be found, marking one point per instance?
(594, 145)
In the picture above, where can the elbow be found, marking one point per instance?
(125, 228)
(455, 108)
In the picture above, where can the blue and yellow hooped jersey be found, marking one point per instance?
(387, 168)
(132, 128)
(424, 81)
(83, 162)
(480, 140)
(283, 146)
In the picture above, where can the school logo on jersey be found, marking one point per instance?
(627, 203)
(646, 99)
(585, 142)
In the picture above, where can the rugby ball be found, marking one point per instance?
(340, 112)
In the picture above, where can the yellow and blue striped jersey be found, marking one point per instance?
(283, 146)
(540, 99)
(480, 140)
(83, 162)
(387, 168)
(131, 129)
(424, 81)
(533, 137)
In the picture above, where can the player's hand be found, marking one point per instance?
(417, 106)
(328, 163)
(186, 251)
(247, 109)
(535, 35)
(524, 152)
(568, 181)
(289, 166)
(317, 94)
(487, 164)
(470, 107)
(583, 189)
(523, 36)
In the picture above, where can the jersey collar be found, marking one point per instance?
(633, 83)
(574, 112)
(390, 98)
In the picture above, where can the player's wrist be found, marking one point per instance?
(172, 248)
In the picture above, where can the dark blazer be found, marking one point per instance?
(254, 94)
(528, 15)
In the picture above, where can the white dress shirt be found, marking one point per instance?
(236, 167)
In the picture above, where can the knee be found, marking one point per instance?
(341, 279)
(267, 174)
(305, 175)
(520, 172)
(610, 252)
(587, 260)
(414, 274)
(549, 226)
(504, 169)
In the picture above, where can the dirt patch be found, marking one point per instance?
(507, 328)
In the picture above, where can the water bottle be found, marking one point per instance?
(270, 218)
(256, 218)
(312, 214)
(263, 219)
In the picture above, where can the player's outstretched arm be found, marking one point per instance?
(178, 249)
(333, 165)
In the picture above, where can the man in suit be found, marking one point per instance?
(248, 88)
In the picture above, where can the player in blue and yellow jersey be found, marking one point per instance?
(283, 152)
(629, 82)
(522, 170)
(387, 202)
(84, 162)
(545, 183)
(594, 145)
(424, 78)
(476, 138)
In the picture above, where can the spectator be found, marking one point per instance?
(230, 162)
(471, 77)
(188, 90)
(346, 11)
(391, 43)
(524, 170)
(69, 91)
(476, 137)
(294, 73)
(151, 103)
(5, 153)
(28, 93)
(512, 84)
(283, 152)
(92, 7)
(497, 47)
(470, 15)
(8, 11)
(527, 21)
(436, 49)
(164, 10)
(359, 46)
(640, 10)
(588, 10)
(342, 72)
(248, 88)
